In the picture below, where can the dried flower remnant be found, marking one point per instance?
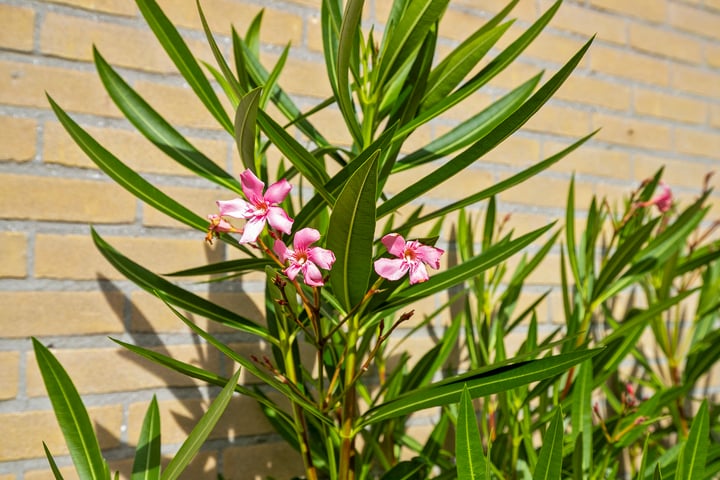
(663, 201)
(411, 258)
(305, 259)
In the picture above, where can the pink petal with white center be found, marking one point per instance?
(312, 275)
(277, 192)
(304, 238)
(253, 229)
(279, 220)
(281, 250)
(418, 273)
(236, 208)
(252, 187)
(322, 257)
(292, 271)
(391, 268)
(429, 255)
(394, 243)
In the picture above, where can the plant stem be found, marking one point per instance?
(347, 447)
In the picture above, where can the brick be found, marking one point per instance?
(13, 255)
(469, 180)
(715, 115)
(9, 375)
(242, 417)
(150, 314)
(49, 198)
(695, 20)
(515, 74)
(561, 121)
(662, 41)
(694, 80)
(601, 162)
(61, 313)
(118, 7)
(632, 132)
(17, 26)
(681, 171)
(313, 33)
(201, 201)
(556, 48)
(73, 37)
(24, 432)
(546, 274)
(178, 105)
(18, 138)
(25, 84)
(712, 54)
(575, 19)
(302, 77)
(104, 370)
(695, 142)
(75, 256)
(633, 66)
(129, 146)
(540, 191)
(669, 106)
(9, 476)
(653, 10)
(595, 91)
(331, 124)
(278, 27)
(713, 4)
(523, 10)
(515, 151)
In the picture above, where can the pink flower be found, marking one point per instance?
(412, 257)
(217, 225)
(663, 201)
(259, 208)
(304, 258)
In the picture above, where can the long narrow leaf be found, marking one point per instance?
(71, 415)
(549, 465)
(471, 461)
(53, 466)
(146, 465)
(346, 42)
(691, 463)
(245, 119)
(201, 431)
(183, 59)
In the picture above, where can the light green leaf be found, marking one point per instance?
(349, 29)
(469, 456)
(582, 413)
(245, 121)
(125, 176)
(71, 416)
(183, 59)
(549, 464)
(201, 431)
(691, 462)
(480, 383)
(351, 234)
(146, 465)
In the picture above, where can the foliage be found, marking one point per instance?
(336, 272)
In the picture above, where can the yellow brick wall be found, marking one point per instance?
(651, 81)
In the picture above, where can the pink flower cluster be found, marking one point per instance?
(262, 207)
(663, 201)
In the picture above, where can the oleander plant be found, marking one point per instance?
(344, 269)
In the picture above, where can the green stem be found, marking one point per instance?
(347, 434)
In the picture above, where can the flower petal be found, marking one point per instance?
(236, 208)
(429, 255)
(391, 268)
(312, 275)
(304, 238)
(279, 220)
(281, 250)
(394, 243)
(322, 257)
(253, 229)
(252, 187)
(418, 273)
(277, 192)
(292, 271)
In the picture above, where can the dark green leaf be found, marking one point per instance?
(349, 29)
(146, 465)
(245, 120)
(691, 463)
(471, 461)
(549, 465)
(53, 465)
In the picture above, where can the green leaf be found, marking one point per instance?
(346, 42)
(183, 59)
(469, 456)
(480, 383)
(125, 176)
(71, 415)
(507, 127)
(201, 431)
(549, 464)
(581, 412)
(269, 87)
(53, 465)
(146, 465)
(156, 129)
(177, 296)
(351, 234)
(245, 120)
(229, 266)
(691, 462)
